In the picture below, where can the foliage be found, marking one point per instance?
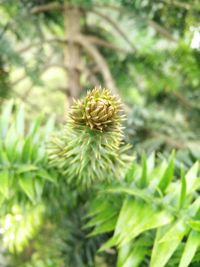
(23, 158)
(23, 175)
(157, 212)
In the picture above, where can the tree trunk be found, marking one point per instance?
(72, 52)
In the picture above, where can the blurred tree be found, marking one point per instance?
(67, 24)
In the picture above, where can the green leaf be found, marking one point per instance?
(26, 168)
(11, 142)
(132, 254)
(151, 162)
(101, 217)
(143, 178)
(194, 207)
(49, 126)
(130, 173)
(168, 174)
(156, 174)
(194, 224)
(20, 120)
(183, 189)
(105, 227)
(191, 177)
(176, 231)
(162, 251)
(27, 149)
(136, 214)
(39, 185)
(131, 191)
(110, 243)
(35, 126)
(4, 183)
(45, 175)
(27, 185)
(157, 220)
(190, 249)
(3, 155)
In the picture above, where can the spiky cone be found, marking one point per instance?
(100, 110)
(92, 149)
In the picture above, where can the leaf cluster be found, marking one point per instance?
(158, 215)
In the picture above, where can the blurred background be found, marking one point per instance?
(147, 52)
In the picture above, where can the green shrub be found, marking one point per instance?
(155, 217)
(24, 172)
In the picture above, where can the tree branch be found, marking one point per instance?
(47, 7)
(110, 6)
(94, 53)
(187, 103)
(56, 6)
(115, 26)
(158, 28)
(93, 39)
(42, 42)
(100, 42)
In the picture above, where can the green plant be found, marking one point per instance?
(90, 147)
(157, 220)
(24, 173)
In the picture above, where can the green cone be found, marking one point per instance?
(90, 147)
(99, 110)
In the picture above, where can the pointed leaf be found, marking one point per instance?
(183, 189)
(190, 249)
(162, 252)
(45, 175)
(3, 155)
(136, 214)
(168, 174)
(175, 232)
(105, 227)
(130, 172)
(20, 120)
(157, 220)
(26, 168)
(4, 183)
(110, 243)
(194, 224)
(49, 126)
(39, 185)
(27, 148)
(143, 178)
(35, 126)
(194, 207)
(27, 185)
(191, 177)
(132, 254)
(131, 191)
(151, 162)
